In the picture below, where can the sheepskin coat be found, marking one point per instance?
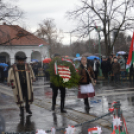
(14, 81)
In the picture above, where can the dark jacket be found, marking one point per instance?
(116, 68)
(84, 74)
(97, 65)
(46, 67)
(35, 67)
(106, 66)
(132, 69)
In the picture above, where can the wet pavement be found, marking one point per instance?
(44, 118)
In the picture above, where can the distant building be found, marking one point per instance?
(14, 41)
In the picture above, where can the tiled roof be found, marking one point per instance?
(22, 37)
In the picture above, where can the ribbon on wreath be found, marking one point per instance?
(63, 72)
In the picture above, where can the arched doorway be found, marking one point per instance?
(36, 55)
(20, 53)
(4, 57)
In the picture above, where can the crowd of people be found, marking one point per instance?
(21, 75)
(109, 66)
(114, 66)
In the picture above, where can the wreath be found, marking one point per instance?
(65, 75)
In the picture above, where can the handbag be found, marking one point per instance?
(92, 80)
(88, 88)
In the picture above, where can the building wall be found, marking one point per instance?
(35, 51)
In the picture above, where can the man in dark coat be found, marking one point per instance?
(46, 67)
(131, 75)
(35, 69)
(55, 93)
(1, 73)
(105, 66)
(116, 70)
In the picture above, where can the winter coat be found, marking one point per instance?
(116, 68)
(35, 67)
(84, 80)
(46, 67)
(122, 63)
(132, 69)
(105, 66)
(84, 74)
(97, 65)
(14, 80)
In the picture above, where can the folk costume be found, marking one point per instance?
(21, 77)
(85, 80)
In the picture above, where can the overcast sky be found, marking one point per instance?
(38, 10)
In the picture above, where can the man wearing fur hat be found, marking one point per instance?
(20, 78)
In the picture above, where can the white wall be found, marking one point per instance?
(12, 50)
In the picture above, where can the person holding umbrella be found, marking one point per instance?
(20, 78)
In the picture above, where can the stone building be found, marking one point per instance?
(15, 41)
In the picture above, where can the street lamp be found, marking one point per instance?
(89, 31)
(89, 34)
(98, 29)
(70, 35)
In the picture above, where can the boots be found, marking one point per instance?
(28, 109)
(28, 119)
(21, 111)
(86, 103)
(62, 108)
(53, 107)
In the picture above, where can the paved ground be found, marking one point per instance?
(44, 118)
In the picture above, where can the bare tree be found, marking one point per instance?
(121, 43)
(47, 30)
(9, 13)
(111, 15)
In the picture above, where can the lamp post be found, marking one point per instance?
(70, 35)
(98, 29)
(89, 34)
